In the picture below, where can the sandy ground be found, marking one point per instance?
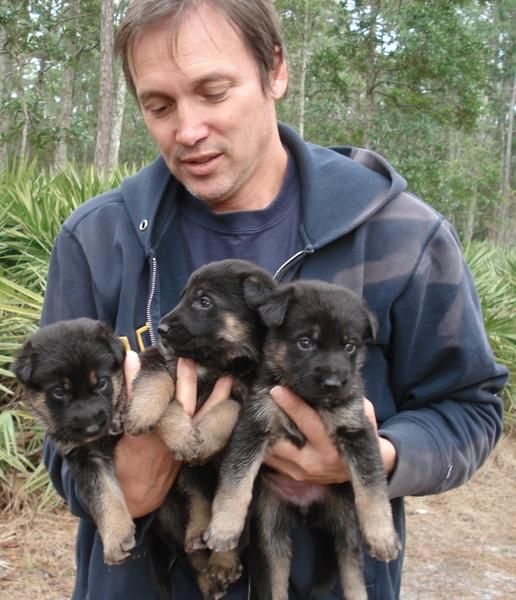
(461, 545)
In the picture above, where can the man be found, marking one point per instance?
(230, 182)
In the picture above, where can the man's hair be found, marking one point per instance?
(256, 21)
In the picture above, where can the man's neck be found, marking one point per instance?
(252, 197)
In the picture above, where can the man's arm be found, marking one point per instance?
(443, 378)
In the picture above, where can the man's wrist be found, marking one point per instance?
(389, 455)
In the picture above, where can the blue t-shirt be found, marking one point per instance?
(266, 237)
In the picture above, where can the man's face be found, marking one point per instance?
(205, 108)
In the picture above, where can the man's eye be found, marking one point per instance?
(161, 111)
(350, 347)
(215, 97)
(304, 343)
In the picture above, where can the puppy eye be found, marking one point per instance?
(102, 384)
(350, 347)
(205, 302)
(59, 393)
(304, 343)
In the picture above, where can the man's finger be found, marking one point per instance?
(186, 386)
(131, 368)
(370, 413)
(305, 417)
(285, 467)
(221, 391)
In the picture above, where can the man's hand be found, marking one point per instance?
(318, 461)
(145, 467)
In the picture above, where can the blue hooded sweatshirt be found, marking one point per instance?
(431, 374)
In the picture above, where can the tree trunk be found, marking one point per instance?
(370, 93)
(118, 119)
(24, 139)
(4, 117)
(304, 68)
(105, 87)
(63, 120)
(65, 111)
(506, 223)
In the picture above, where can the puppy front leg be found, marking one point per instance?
(238, 471)
(179, 433)
(215, 428)
(102, 494)
(153, 389)
(362, 454)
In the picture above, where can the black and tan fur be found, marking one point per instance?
(315, 346)
(72, 372)
(212, 324)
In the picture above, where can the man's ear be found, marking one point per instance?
(278, 78)
(23, 365)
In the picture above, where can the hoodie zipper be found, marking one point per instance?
(154, 271)
(292, 260)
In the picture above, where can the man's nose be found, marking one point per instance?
(191, 125)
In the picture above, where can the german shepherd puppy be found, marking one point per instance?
(214, 325)
(72, 372)
(315, 346)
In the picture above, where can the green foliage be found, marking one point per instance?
(494, 271)
(36, 202)
(34, 205)
(424, 83)
(23, 479)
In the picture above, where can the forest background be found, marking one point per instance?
(430, 85)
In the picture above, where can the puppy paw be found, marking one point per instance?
(135, 428)
(224, 567)
(386, 547)
(221, 538)
(185, 445)
(211, 589)
(194, 543)
(136, 423)
(187, 454)
(118, 548)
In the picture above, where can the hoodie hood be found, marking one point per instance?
(339, 186)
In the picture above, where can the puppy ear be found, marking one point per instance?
(258, 288)
(23, 365)
(273, 311)
(372, 330)
(115, 344)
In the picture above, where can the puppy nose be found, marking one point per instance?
(91, 425)
(92, 429)
(163, 329)
(333, 380)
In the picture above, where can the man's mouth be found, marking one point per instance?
(201, 164)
